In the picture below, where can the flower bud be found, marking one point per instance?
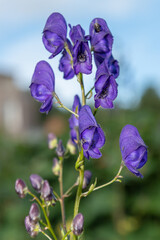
(55, 167)
(36, 182)
(71, 147)
(77, 224)
(20, 188)
(47, 194)
(60, 149)
(87, 178)
(52, 141)
(34, 213)
(31, 227)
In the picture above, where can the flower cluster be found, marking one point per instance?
(77, 58)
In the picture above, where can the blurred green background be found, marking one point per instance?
(127, 210)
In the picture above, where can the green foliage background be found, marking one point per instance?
(130, 210)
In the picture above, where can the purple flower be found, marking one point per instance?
(82, 58)
(47, 194)
(36, 182)
(133, 149)
(43, 85)
(34, 213)
(105, 87)
(91, 135)
(73, 121)
(21, 188)
(101, 40)
(31, 227)
(65, 64)
(77, 224)
(54, 34)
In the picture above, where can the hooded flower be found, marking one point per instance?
(73, 121)
(133, 149)
(82, 58)
(91, 134)
(65, 64)
(105, 87)
(54, 34)
(101, 40)
(43, 85)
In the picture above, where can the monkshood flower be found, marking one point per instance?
(133, 149)
(82, 58)
(52, 141)
(105, 87)
(73, 121)
(77, 224)
(91, 134)
(36, 182)
(65, 64)
(43, 85)
(54, 34)
(21, 188)
(31, 227)
(101, 39)
(34, 213)
(60, 149)
(47, 194)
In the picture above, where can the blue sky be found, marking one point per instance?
(134, 24)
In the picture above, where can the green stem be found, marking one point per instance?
(69, 52)
(45, 215)
(108, 183)
(45, 234)
(62, 196)
(62, 106)
(89, 92)
(70, 189)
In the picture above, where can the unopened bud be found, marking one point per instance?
(77, 224)
(55, 167)
(71, 147)
(31, 227)
(52, 141)
(36, 182)
(60, 149)
(21, 188)
(47, 194)
(34, 213)
(87, 178)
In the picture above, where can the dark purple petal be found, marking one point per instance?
(54, 33)
(60, 149)
(133, 149)
(113, 66)
(86, 119)
(76, 33)
(43, 85)
(82, 58)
